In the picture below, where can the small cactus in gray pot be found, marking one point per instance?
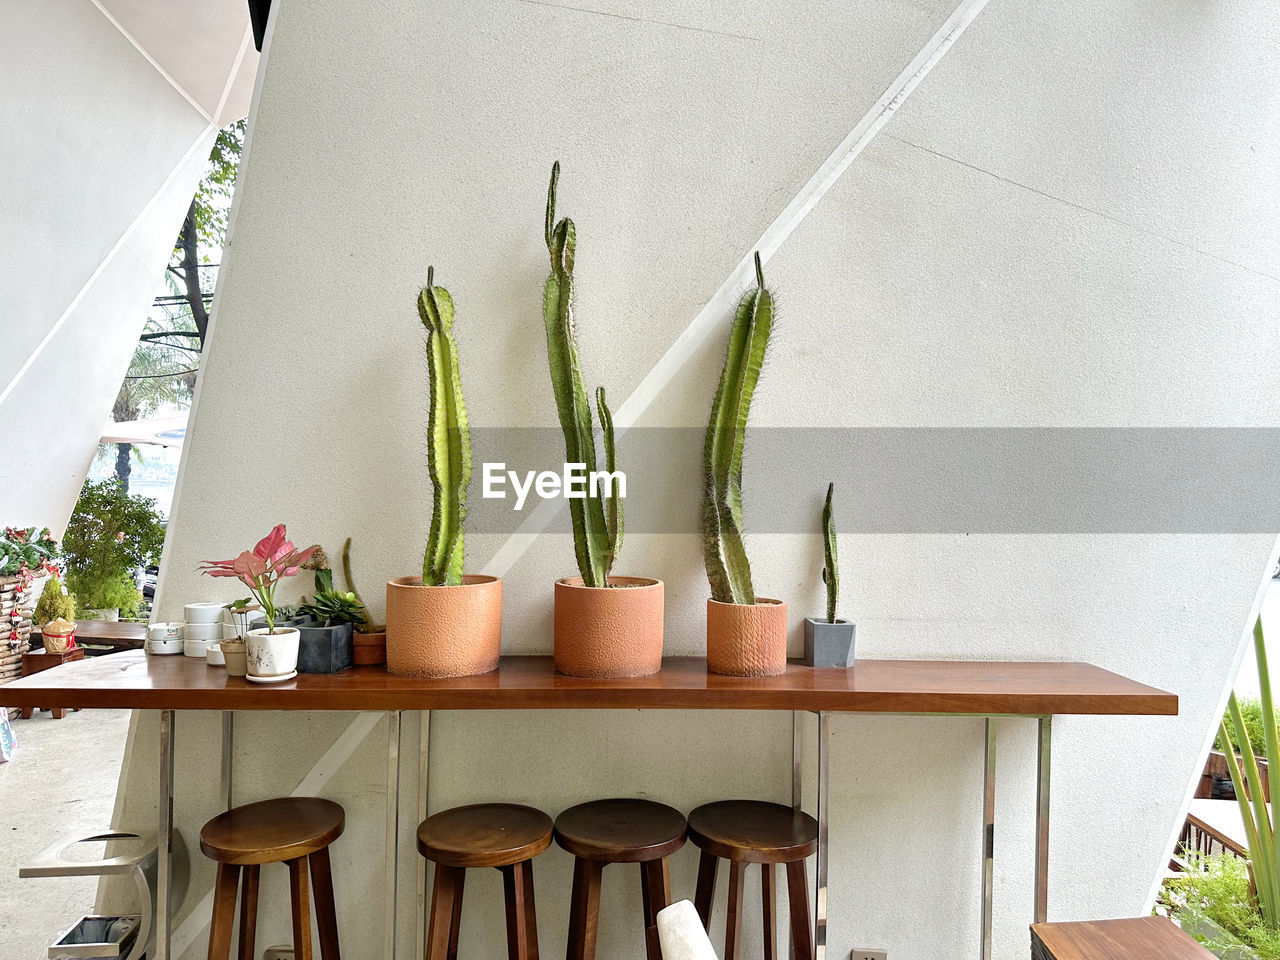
(829, 642)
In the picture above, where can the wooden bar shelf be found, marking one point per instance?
(981, 688)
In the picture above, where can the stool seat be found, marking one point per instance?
(753, 831)
(271, 831)
(621, 831)
(484, 835)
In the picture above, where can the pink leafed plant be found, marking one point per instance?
(262, 568)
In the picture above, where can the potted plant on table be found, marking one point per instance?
(242, 617)
(444, 623)
(110, 535)
(605, 625)
(329, 619)
(272, 651)
(54, 607)
(369, 645)
(746, 634)
(829, 642)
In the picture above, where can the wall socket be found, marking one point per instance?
(869, 955)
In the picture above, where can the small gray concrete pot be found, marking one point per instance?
(325, 649)
(828, 644)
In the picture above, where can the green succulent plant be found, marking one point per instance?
(728, 570)
(597, 517)
(333, 607)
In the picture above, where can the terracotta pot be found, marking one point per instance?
(747, 639)
(370, 649)
(609, 631)
(236, 655)
(444, 631)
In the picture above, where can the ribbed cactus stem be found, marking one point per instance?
(596, 538)
(728, 569)
(831, 568)
(448, 441)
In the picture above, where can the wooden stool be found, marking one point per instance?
(503, 835)
(294, 830)
(752, 831)
(618, 831)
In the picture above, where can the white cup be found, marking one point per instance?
(203, 631)
(208, 612)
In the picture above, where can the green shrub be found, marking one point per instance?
(109, 536)
(54, 604)
(1252, 712)
(1216, 890)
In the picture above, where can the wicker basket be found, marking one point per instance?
(18, 596)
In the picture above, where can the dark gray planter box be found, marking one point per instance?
(828, 644)
(324, 649)
(298, 621)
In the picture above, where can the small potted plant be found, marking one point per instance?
(369, 645)
(605, 625)
(54, 604)
(272, 650)
(444, 623)
(240, 617)
(325, 643)
(746, 634)
(829, 642)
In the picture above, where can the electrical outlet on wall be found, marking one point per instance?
(869, 955)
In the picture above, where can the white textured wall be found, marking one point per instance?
(103, 153)
(1070, 223)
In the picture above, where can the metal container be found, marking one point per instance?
(94, 937)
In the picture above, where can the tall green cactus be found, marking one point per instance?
(597, 520)
(831, 567)
(726, 557)
(449, 440)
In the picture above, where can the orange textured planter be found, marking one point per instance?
(444, 631)
(747, 639)
(609, 631)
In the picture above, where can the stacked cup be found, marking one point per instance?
(203, 629)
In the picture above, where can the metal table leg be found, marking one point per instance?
(164, 838)
(393, 831)
(228, 745)
(988, 834)
(824, 814)
(1045, 737)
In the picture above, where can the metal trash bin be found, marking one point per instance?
(96, 938)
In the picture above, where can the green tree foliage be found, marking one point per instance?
(109, 536)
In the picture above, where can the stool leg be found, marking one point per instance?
(517, 887)
(655, 891)
(300, 902)
(224, 911)
(446, 908)
(584, 915)
(733, 920)
(248, 911)
(798, 897)
(25, 712)
(770, 904)
(708, 864)
(326, 910)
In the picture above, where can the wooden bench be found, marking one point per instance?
(1141, 938)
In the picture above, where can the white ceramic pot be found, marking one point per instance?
(213, 655)
(203, 631)
(197, 648)
(273, 654)
(207, 612)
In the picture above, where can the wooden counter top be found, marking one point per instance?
(886, 686)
